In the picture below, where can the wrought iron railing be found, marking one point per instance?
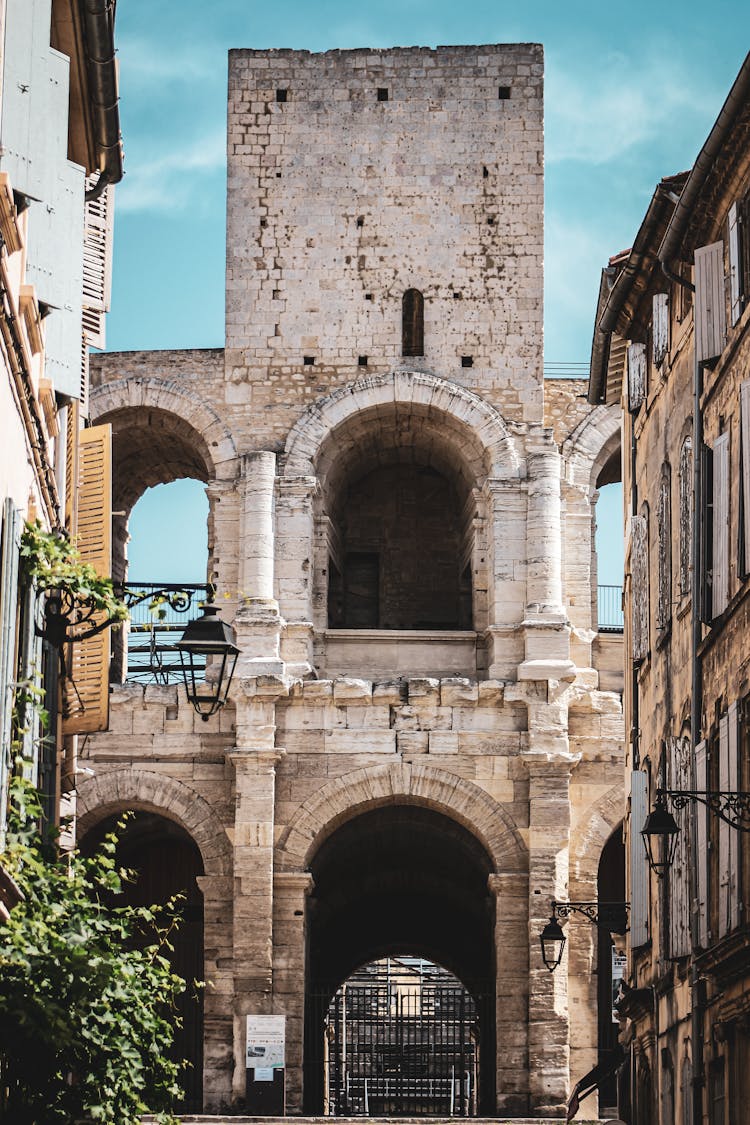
(159, 613)
(609, 609)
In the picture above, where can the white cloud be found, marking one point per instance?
(171, 180)
(597, 113)
(145, 65)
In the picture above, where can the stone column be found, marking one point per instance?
(291, 889)
(296, 560)
(546, 628)
(511, 991)
(257, 623)
(217, 891)
(505, 505)
(549, 839)
(255, 783)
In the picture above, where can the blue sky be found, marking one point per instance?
(631, 92)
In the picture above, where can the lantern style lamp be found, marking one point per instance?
(207, 636)
(552, 939)
(659, 833)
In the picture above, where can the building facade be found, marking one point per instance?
(672, 344)
(424, 741)
(59, 159)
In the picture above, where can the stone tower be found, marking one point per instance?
(419, 754)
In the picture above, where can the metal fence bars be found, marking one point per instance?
(609, 609)
(159, 613)
(403, 1042)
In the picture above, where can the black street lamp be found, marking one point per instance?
(207, 636)
(659, 833)
(553, 942)
(609, 916)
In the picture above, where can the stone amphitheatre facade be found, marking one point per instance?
(424, 741)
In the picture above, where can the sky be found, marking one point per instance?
(631, 93)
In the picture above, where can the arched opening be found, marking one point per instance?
(401, 1039)
(167, 862)
(402, 881)
(610, 965)
(160, 466)
(399, 523)
(412, 323)
(609, 560)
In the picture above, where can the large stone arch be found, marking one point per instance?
(120, 789)
(346, 797)
(590, 836)
(480, 426)
(591, 445)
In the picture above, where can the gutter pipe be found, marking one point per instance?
(99, 31)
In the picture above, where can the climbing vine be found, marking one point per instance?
(53, 563)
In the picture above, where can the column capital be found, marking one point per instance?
(510, 884)
(549, 763)
(300, 882)
(242, 757)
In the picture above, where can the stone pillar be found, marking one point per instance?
(255, 783)
(257, 622)
(549, 840)
(546, 628)
(291, 889)
(505, 505)
(217, 891)
(296, 559)
(511, 991)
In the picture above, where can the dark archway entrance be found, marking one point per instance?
(401, 881)
(167, 862)
(610, 888)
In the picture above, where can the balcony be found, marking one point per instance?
(609, 609)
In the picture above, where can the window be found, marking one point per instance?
(686, 515)
(660, 328)
(639, 596)
(636, 376)
(739, 257)
(412, 323)
(744, 543)
(710, 311)
(664, 530)
(720, 526)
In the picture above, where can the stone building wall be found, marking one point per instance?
(497, 731)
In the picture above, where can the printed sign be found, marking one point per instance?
(619, 969)
(266, 1036)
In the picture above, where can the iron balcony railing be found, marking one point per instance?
(159, 613)
(609, 609)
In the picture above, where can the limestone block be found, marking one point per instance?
(458, 690)
(393, 692)
(491, 693)
(411, 742)
(362, 743)
(424, 689)
(351, 691)
(443, 742)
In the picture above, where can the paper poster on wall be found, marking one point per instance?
(619, 970)
(266, 1037)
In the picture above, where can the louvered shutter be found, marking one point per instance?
(720, 535)
(710, 314)
(97, 265)
(636, 376)
(735, 281)
(702, 851)
(745, 445)
(686, 515)
(638, 859)
(724, 829)
(660, 327)
(71, 465)
(30, 669)
(11, 542)
(87, 697)
(679, 873)
(639, 591)
(733, 771)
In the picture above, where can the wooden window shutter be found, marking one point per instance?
(660, 329)
(706, 510)
(735, 266)
(97, 265)
(87, 698)
(724, 829)
(710, 314)
(639, 590)
(664, 531)
(686, 515)
(72, 425)
(11, 544)
(679, 873)
(733, 784)
(701, 815)
(638, 859)
(720, 530)
(636, 376)
(745, 477)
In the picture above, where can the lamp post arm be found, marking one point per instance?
(731, 806)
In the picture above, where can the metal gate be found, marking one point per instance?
(400, 1038)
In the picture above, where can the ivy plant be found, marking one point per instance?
(53, 562)
(87, 994)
